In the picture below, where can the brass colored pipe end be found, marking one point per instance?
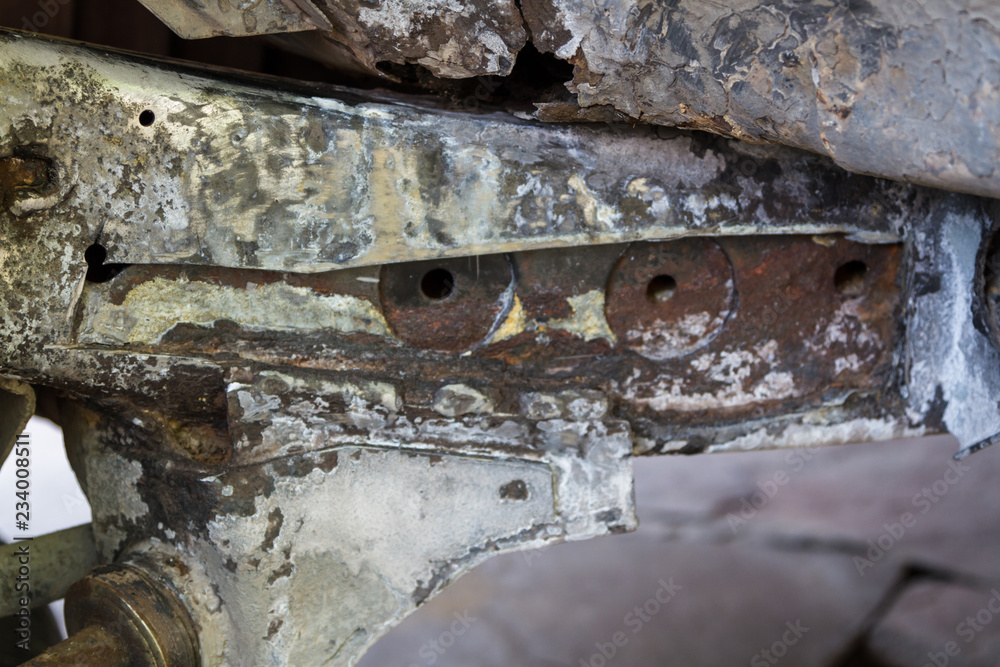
(121, 615)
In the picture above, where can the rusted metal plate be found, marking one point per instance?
(529, 432)
(803, 333)
(666, 300)
(754, 326)
(449, 305)
(261, 420)
(231, 177)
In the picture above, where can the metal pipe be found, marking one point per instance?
(54, 562)
(92, 646)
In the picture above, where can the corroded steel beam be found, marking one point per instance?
(212, 171)
(317, 356)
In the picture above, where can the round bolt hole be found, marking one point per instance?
(850, 278)
(661, 288)
(437, 284)
(97, 270)
(147, 118)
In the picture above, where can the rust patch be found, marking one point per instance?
(22, 175)
(800, 334)
(516, 490)
(274, 522)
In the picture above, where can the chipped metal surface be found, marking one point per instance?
(450, 39)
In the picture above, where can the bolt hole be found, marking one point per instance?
(850, 278)
(661, 288)
(97, 270)
(147, 118)
(437, 284)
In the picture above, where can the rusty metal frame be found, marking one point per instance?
(223, 282)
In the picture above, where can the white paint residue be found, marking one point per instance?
(663, 340)
(731, 369)
(596, 213)
(654, 195)
(110, 473)
(848, 363)
(153, 308)
(698, 205)
(847, 325)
